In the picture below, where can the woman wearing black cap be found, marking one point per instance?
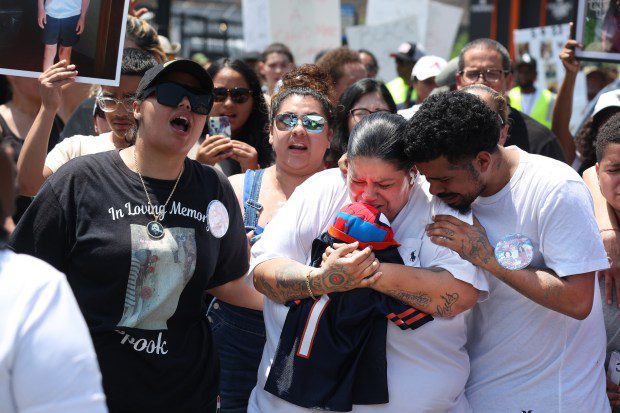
(141, 234)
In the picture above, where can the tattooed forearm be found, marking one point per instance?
(418, 299)
(445, 310)
(266, 289)
(290, 282)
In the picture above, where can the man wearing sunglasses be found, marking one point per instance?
(487, 62)
(34, 167)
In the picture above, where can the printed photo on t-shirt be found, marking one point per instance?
(160, 270)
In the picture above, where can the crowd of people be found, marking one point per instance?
(441, 242)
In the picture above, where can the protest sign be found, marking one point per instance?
(544, 44)
(441, 25)
(31, 42)
(598, 30)
(385, 11)
(306, 27)
(383, 39)
(255, 14)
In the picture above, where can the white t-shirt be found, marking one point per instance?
(528, 100)
(408, 113)
(428, 367)
(525, 357)
(61, 9)
(47, 360)
(75, 146)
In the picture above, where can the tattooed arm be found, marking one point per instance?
(282, 279)
(432, 290)
(571, 296)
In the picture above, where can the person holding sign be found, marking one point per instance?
(141, 234)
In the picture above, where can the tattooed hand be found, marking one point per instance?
(346, 268)
(469, 241)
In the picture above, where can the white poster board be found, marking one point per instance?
(307, 27)
(545, 44)
(385, 11)
(383, 39)
(443, 25)
(441, 22)
(255, 14)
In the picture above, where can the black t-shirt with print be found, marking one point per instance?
(142, 298)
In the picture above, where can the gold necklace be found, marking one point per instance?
(154, 228)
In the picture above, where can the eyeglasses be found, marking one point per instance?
(109, 104)
(489, 75)
(359, 113)
(311, 123)
(237, 94)
(171, 94)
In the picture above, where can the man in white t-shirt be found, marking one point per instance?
(62, 22)
(538, 343)
(34, 167)
(47, 360)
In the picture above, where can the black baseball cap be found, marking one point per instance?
(190, 67)
(409, 52)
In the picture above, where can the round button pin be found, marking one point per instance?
(514, 252)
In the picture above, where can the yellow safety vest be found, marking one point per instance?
(542, 110)
(398, 89)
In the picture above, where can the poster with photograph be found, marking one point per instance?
(598, 30)
(33, 38)
(544, 45)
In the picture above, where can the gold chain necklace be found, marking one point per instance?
(154, 228)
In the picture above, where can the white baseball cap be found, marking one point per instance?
(607, 100)
(427, 67)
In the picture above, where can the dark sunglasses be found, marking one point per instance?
(171, 94)
(237, 94)
(311, 123)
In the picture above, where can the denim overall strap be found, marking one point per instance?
(251, 190)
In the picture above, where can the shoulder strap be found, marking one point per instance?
(251, 206)
(4, 128)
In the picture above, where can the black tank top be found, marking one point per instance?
(9, 138)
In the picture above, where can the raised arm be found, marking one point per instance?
(31, 170)
(564, 103)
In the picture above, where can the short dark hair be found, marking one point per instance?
(348, 99)
(333, 62)
(372, 56)
(136, 62)
(380, 135)
(278, 48)
(456, 125)
(486, 44)
(608, 133)
(254, 132)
